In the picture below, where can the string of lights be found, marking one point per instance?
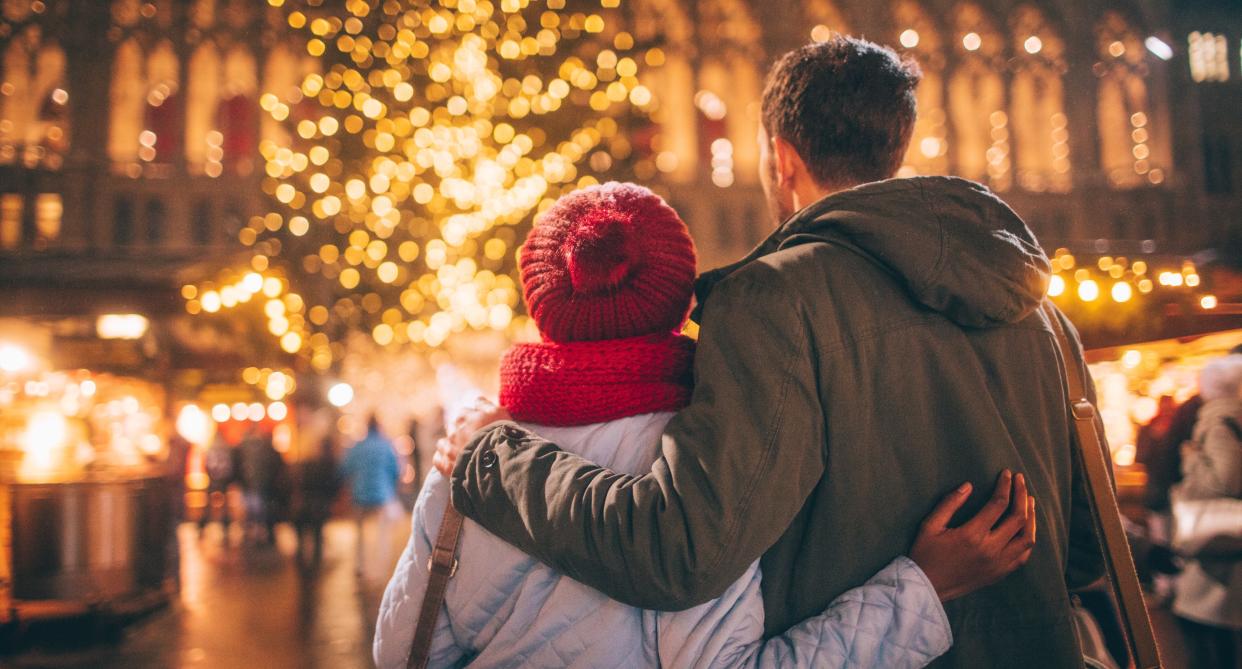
(432, 135)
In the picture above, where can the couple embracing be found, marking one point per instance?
(841, 472)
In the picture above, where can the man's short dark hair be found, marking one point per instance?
(847, 106)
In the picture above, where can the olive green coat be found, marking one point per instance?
(881, 347)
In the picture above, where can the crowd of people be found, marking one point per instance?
(305, 494)
(1192, 453)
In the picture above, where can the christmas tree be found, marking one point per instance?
(428, 140)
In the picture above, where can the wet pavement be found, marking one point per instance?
(249, 607)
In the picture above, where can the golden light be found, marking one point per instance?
(211, 301)
(220, 413)
(1208, 302)
(192, 424)
(1033, 44)
(1088, 291)
(277, 411)
(909, 38)
(291, 342)
(1056, 286)
(1122, 292)
(1131, 358)
(972, 41)
(340, 394)
(15, 359)
(121, 326)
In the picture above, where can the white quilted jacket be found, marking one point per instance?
(505, 609)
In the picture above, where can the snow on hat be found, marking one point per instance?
(608, 262)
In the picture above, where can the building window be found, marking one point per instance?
(1129, 153)
(977, 100)
(1217, 165)
(1209, 57)
(1037, 104)
(48, 212)
(918, 37)
(202, 223)
(123, 221)
(157, 221)
(10, 221)
(34, 119)
(221, 121)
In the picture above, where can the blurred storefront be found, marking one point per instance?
(1137, 382)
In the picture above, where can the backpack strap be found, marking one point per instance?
(442, 565)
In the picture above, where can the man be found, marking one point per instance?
(884, 343)
(372, 471)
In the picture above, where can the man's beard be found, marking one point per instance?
(779, 211)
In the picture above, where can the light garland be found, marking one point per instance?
(416, 156)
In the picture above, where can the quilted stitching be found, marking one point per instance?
(505, 609)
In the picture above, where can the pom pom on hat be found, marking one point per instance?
(608, 262)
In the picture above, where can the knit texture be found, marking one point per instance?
(608, 262)
(579, 383)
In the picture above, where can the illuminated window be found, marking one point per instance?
(666, 143)
(730, 70)
(34, 119)
(48, 211)
(929, 146)
(1133, 151)
(1209, 57)
(10, 221)
(221, 120)
(1037, 104)
(977, 100)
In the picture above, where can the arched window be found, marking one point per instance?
(162, 131)
(1124, 113)
(977, 100)
(668, 143)
(221, 121)
(729, 91)
(1037, 101)
(283, 73)
(34, 119)
(919, 37)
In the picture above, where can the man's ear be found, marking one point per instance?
(788, 162)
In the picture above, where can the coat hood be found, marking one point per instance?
(956, 247)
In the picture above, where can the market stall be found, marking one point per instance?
(85, 494)
(1135, 383)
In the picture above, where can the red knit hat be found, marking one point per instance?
(608, 262)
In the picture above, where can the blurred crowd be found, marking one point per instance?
(305, 494)
(1192, 453)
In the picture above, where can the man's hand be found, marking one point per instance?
(984, 549)
(478, 415)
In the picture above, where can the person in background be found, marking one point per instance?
(372, 471)
(1208, 603)
(318, 482)
(261, 469)
(221, 463)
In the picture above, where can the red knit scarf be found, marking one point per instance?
(578, 383)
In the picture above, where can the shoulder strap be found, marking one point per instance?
(442, 565)
(1117, 558)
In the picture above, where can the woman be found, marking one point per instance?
(610, 269)
(1208, 602)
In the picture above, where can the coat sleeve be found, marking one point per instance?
(403, 597)
(1214, 469)
(735, 466)
(1084, 557)
(894, 621)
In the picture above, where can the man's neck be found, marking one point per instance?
(808, 193)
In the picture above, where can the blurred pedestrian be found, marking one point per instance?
(1208, 602)
(221, 464)
(261, 469)
(318, 483)
(372, 471)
